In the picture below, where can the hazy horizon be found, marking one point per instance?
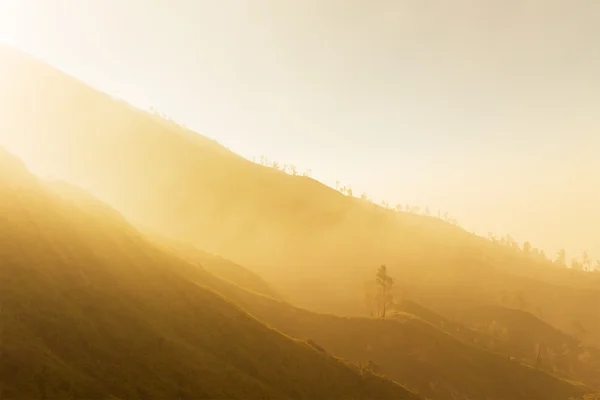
(161, 236)
(487, 110)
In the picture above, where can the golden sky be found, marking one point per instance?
(487, 109)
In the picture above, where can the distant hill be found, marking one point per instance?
(92, 309)
(217, 265)
(528, 338)
(315, 245)
(520, 336)
(433, 361)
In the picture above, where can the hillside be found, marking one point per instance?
(519, 336)
(408, 349)
(217, 265)
(526, 337)
(92, 309)
(315, 245)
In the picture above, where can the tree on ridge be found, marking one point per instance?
(385, 297)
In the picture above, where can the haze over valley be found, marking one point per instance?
(316, 200)
(485, 110)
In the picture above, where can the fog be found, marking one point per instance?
(486, 110)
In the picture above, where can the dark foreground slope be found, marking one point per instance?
(90, 309)
(408, 349)
(317, 246)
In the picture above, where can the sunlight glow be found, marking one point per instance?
(422, 199)
(6, 39)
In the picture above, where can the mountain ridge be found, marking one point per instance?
(316, 246)
(92, 309)
(407, 348)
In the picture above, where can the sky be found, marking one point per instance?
(489, 110)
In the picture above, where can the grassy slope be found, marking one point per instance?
(217, 265)
(316, 245)
(408, 349)
(519, 334)
(91, 309)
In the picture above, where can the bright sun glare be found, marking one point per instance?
(14, 22)
(6, 39)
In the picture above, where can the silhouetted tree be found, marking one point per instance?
(398, 207)
(293, 170)
(385, 296)
(510, 242)
(526, 247)
(586, 262)
(427, 212)
(349, 191)
(561, 258)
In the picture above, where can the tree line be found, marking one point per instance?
(579, 263)
(582, 263)
(347, 190)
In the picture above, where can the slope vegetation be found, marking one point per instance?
(528, 338)
(519, 336)
(408, 349)
(316, 245)
(92, 309)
